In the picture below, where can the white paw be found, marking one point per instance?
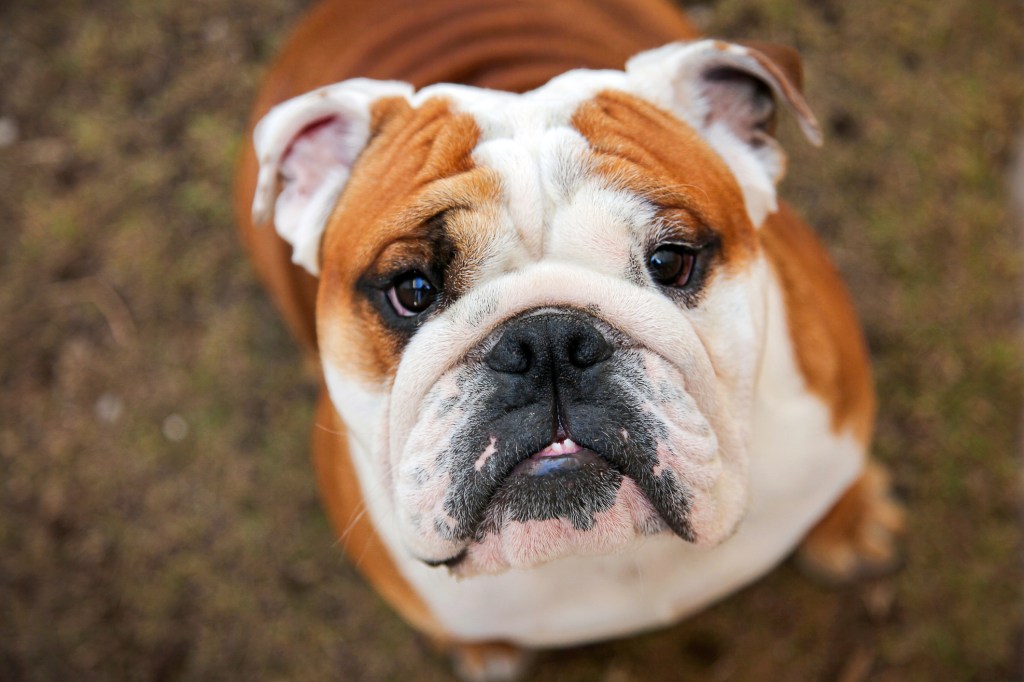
(489, 662)
(858, 539)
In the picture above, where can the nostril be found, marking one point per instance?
(588, 348)
(510, 355)
(531, 344)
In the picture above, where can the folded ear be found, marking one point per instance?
(306, 147)
(728, 92)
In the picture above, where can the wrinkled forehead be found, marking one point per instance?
(585, 136)
(583, 124)
(527, 115)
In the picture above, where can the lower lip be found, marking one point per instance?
(545, 464)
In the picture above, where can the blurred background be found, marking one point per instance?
(158, 516)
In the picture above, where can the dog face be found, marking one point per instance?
(540, 315)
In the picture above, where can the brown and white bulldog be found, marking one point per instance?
(584, 373)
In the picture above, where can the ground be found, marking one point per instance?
(158, 517)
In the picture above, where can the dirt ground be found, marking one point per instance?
(158, 517)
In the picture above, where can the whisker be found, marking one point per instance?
(320, 426)
(343, 535)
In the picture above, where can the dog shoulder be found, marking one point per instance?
(829, 346)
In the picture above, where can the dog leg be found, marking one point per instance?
(489, 662)
(857, 539)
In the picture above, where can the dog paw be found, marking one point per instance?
(858, 538)
(489, 662)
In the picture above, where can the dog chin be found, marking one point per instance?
(507, 542)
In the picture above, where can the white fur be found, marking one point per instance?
(757, 186)
(669, 76)
(798, 467)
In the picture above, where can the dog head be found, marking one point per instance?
(540, 315)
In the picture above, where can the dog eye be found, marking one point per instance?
(411, 293)
(671, 265)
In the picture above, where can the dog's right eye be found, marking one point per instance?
(672, 265)
(411, 293)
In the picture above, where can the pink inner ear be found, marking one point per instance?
(741, 101)
(318, 148)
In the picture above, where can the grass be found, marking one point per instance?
(126, 555)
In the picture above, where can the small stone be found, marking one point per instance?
(8, 131)
(701, 15)
(617, 674)
(109, 408)
(46, 151)
(1017, 180)
(216, 30)
(878, 600)
(175, 428)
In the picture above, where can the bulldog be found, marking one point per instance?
(583, 372)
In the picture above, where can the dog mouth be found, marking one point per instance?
(525, 499)
(564, 480)
(560, 457)
(563, 499)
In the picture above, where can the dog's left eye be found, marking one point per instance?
(671, 265)
(411, 293)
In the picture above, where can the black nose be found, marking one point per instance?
(537, 343)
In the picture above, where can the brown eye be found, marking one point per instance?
(671, 265)
(411, 294)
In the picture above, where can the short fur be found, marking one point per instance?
(727, 417)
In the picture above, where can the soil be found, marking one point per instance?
(158, 516)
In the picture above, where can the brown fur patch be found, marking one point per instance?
(648, 151)
(341, 495)
(827, 337)
(417, 166)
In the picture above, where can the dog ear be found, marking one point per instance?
(728, 92)
(306, 147)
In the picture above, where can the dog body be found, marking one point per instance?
(583, 373)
